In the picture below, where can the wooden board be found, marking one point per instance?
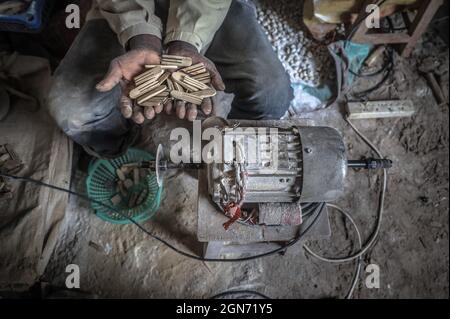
(380, 109)
(404, 41)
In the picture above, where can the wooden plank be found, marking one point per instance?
(405, 41)
(380, 109)
(435, 88)
(386, 38)
(420, 24)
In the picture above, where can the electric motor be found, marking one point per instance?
(278, 165)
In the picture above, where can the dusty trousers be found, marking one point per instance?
(241, 51)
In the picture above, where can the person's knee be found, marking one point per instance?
(80, 108)
(92, 120)
(277, 96)
(264, 97)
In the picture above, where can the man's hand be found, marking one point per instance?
(144, 49)
(188, 110)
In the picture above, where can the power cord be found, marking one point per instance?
(318, 208)
(373, 237)
(387, 69)
(325, 259)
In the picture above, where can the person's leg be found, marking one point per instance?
(249, 66)
(90, 118)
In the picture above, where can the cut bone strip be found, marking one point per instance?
(149, 78)
(203, 78)
(195, 69)
(177, 87)
(138, 91)
(188, 82)
(195, 83)
(157, 99)
(187, 87)
(203, 75)
(136, 177)
(151, 72)
(176, 60)
(170, 85)
(178, 77)
(151, 94)
(163, 78)
(132, 201)
(120, 174)
(164, 67)
(205, 93)
(141, 197)
(121, 188)
(159, 80)
(116, 199)
(196, 72)
(190, 98)
(148, 86)
(154, 101)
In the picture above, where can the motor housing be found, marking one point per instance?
(278, 165)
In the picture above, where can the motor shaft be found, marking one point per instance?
(370, 163)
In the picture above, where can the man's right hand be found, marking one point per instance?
(144, 49)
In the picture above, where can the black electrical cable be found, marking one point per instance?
(364, 93)
(318, 211)
(386, 65)
(370, 74)
(239, 292)
(389, 58)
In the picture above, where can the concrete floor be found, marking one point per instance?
(412, 249)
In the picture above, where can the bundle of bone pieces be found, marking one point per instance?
(128, 178)
(176, 78)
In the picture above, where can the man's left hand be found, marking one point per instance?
(188, 110)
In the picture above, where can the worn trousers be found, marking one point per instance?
(240, 50)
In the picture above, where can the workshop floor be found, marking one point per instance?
(412, 250)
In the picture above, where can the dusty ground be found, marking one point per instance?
(412, 249)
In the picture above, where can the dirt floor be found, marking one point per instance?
(412, 251)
